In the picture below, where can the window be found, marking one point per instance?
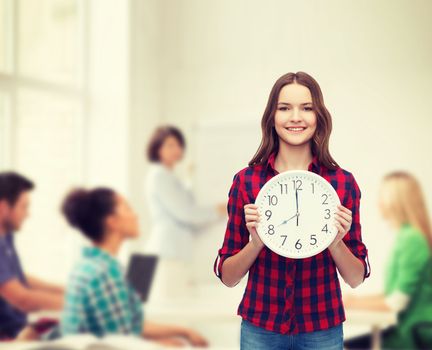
(48, 40)
(5, 37)
(64, 117)
(42, 112)
(4, 131)
(44, 120)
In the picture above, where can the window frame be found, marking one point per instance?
(11, 82)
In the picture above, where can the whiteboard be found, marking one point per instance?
(222, 148)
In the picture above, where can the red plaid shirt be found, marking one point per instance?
(286, 295)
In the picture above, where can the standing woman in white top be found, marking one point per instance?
(175, 215)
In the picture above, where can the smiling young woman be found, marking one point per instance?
(292, 302)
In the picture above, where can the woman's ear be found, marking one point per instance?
(4, 208)
(110, 223)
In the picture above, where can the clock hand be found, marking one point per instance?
(297, 206)
(285, 221)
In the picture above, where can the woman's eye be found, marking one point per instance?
(283, 108)
(308, 108)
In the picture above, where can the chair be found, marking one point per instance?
(422, 334)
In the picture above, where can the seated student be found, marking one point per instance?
(19, 293)
(99, 300)
(408, 273)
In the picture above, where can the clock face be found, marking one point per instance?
(297, 213)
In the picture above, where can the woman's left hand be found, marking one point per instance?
(196, 339)
(343, 220)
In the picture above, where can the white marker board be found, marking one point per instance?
(221, 148)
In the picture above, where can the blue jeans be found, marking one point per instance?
(256, 338)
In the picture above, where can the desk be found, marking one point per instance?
(201, 311)
(192, 310)
(375, 320)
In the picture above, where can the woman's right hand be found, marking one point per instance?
(252, 218)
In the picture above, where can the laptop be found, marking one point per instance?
(140, 273)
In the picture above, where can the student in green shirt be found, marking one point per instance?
(408, 273)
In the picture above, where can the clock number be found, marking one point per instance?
(325, 229)
(297, 185)
(327, 214)
(313, 188)
(283, 188)
(298, 245)
(313, 239)
(271, 230)
(268, 213)
(325, 199)
(284, 238)
(273, 200)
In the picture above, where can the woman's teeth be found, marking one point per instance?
(296, 129)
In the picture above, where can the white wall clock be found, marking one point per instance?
(297, 213)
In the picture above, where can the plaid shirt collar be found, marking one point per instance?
(313, 166)
(98, 253)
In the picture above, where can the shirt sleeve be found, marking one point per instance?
(180, 202)
(353, 238)
(413, 255)
(108, 297)
(6, 274)
(236, 233)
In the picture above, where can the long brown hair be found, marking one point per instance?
(270, 139)
(403, 198)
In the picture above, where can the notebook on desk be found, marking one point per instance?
(140, 273)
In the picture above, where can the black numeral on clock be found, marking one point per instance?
(268, 213)
(298, 245)
(325, 198)
(271, 230)
(297, 185)
(327, 216)
(284, 238)
(325, 229)
(312, 237)
(273, 199)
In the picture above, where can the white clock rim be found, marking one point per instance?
(291, 173)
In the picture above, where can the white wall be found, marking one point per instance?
(144, 99)
(108, 122)
(218, 60)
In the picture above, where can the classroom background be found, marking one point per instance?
(84, 83)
